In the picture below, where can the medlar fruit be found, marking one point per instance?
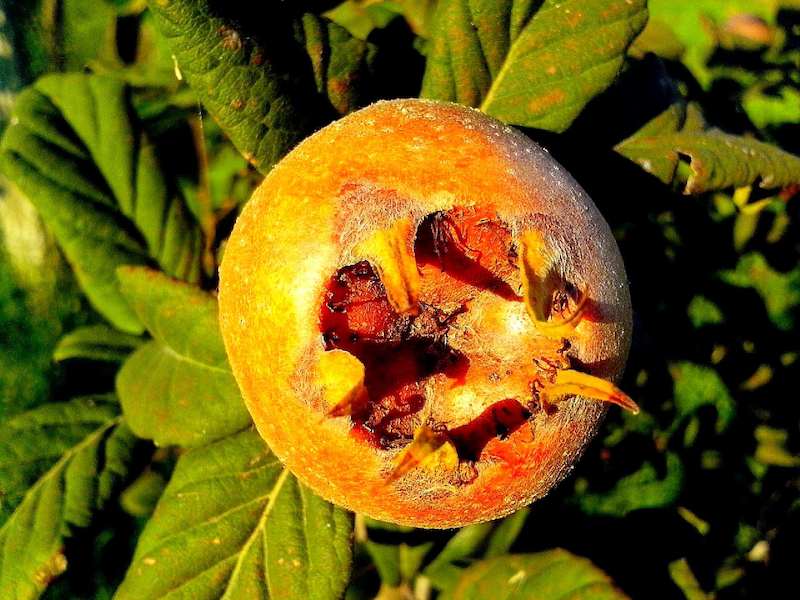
(424, 312)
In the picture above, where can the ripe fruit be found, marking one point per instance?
(423, 311)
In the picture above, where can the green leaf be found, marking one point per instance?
(657, 37)
(551, 574)
(771, 447)
(177, 388)
(780, 292)
(233, 523)
(703, 311)
(506, 533)
(681, 574)
(696, 24)
(776, 107)
(38, 299)
(151, 58)
(696, 386)
(717, 160)
(86, 31)
(59, 463)
(642, 489)
(529, 64)
(76, 150)
(96, 342)
(386, 558)
(397, 564)
(443, 570)
(269, 75)
(360, 18)
(140, 497)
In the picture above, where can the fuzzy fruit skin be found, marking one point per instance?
(360, 174)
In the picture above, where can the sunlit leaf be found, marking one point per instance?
(703, 311)
(177, 388)
(774, 107)
(771, 449)
(76, 150)
(551, 574)
(696, 386)
(529, 63)
(717, 160)
(96, 342)
(696, 23)
(682, 576)
(234, 523)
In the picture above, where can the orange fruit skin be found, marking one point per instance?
(389, 160)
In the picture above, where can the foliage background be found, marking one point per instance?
(120, 162)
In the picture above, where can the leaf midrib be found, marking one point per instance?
(276, 489)
(170, 351)
(512, 51)
(60, 464)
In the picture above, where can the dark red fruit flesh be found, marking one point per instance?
(461, 252)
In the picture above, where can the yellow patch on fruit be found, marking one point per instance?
(341, 378)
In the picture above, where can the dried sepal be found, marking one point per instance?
(391, 253)
(430, 449)
(541, 281)
(568, 382)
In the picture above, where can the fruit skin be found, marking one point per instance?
(360, 174)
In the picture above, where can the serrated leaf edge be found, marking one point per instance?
(59, 464)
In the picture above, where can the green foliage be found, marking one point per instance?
(80, 156)
(132, 133)
(780, 292)
(189, 396)
(528, 64)
(717, 160)
(234, 523)
(552, 574)
(96, 342)
(642, 489)
(59, 463)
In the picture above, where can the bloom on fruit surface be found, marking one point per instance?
(424, 313)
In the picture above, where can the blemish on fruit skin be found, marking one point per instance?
(237, 104)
